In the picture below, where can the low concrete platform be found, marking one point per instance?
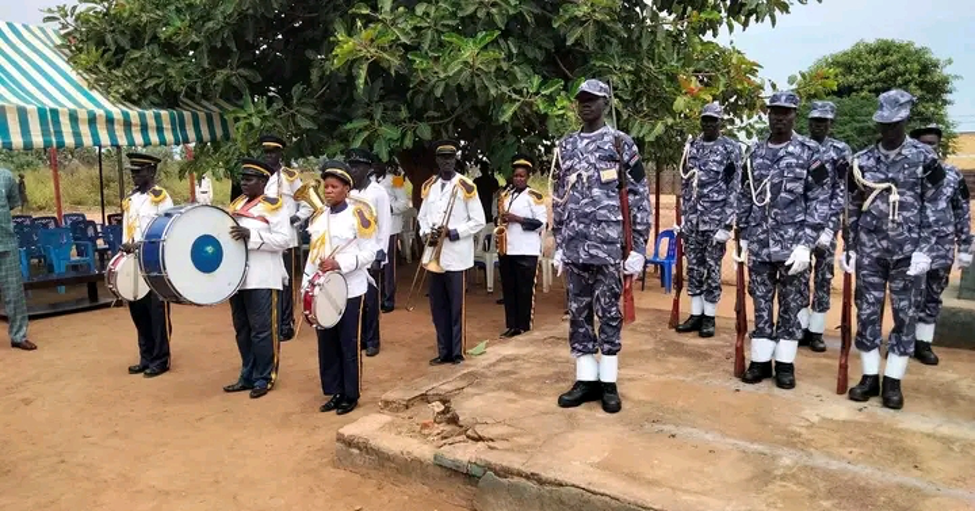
(690, 435)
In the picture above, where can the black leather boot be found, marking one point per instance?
(892, 393)
(708, 327)
(757, 372)
(865, 389)
(692, 324)
(581, 392)
(924, 354)
(784, 373)
(805, 339)
(610, 401)
(817, 342)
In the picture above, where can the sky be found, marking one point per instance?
(807, 33)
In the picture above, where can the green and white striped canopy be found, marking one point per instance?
(48, 104)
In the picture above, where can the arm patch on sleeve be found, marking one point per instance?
(934, 172)
(818, 172)
(636, 170)
(729, 172)
(964, 190)
(842, 168)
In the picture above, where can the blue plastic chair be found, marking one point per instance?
(112, 236)
(70, 218)
(46, 222)
(57, 244)
(666, 264)
(26, 244)
(114, 219)
(83, 231)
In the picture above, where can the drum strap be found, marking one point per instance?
(245, 211)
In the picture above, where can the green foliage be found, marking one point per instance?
(853, 122)
(871, 68)
(391, 75)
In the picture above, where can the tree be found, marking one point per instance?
(871, 68)
(853, 122)
(498, 75)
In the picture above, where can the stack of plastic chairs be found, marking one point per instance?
(112, 235)
(57, 244)
(26, 243)
(487, 255)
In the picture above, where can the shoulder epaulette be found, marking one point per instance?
(536, 196)
(426, 187)
(467, 187)
(157, 194)
(271, 202)
(397, 182)
(366, 222)
(359, 201)
(237, 203)
(126, 202)
(290, 174)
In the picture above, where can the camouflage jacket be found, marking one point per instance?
(955, 195)
(709, 195)
(786, 201)
(918, 176)
(837, 155)
(587, 220)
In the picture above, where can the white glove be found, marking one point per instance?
(722, 236)
(824, 241)
(740, 255)
(558, 262)
(919, 264)
(634, 264)
(964, 260)
(677, 229)
(799, 260)
(847, 262)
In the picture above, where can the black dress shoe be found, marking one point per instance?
(924, 354)
(332, 404)
(756, 372)
(891, 393)
(458, 360)
(784, 373)
(708, 327)
(805, 339)
(865, 389)
(137, 368)
(500, 301)
(155, 372)
(286, 336)
(580, 393)
(691, 324)
(438, 361)
(507, 333)
(346, 407)
(817, 342)
(610, 401)
(386, 309)
(237, 387)
(259, 392)
(372, 351)
(517, 332)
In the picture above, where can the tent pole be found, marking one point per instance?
(101, 184)
(658, 200)
(53, 157)
(191, 176)
(118, 160)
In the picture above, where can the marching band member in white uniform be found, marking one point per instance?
(393, 183)
(265, 228)
(360, 162)
(283, 183)
(150, 314)
(524, 216)
(342, 241)
(447, 290)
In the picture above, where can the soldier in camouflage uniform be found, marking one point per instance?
(710, 182)
(782, 209)
(894, 206)
(956, 194)
(837, 156)
(588, 227)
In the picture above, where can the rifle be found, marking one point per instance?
(673, 321)
(739, 357)
(622, 185)
(846, 291)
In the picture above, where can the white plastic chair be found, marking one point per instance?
(408, 233)
(486, 255)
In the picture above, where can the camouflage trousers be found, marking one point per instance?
(932, 295)
(594, 289)
(871, 276)
(824, 272)
(705, 259)
(769, 279)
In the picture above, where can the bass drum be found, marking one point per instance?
(324, 299)
(189, 257)
(124, 278)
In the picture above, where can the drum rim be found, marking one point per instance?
(110, 271)
(164, 272)
(313, 282)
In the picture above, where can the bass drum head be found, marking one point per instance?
(204, 265)
(129, 283)
(330, 301)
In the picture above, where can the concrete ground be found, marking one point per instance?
(690, 436)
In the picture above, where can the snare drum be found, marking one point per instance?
(324, 299)
(189, 257)
(124, 279)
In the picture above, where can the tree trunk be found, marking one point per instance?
(418, 165)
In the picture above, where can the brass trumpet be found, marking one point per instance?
(309, 193)
(431, 258)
